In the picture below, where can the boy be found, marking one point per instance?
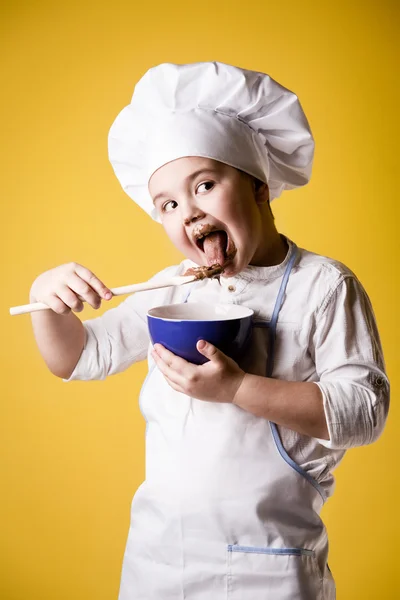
(239, 457)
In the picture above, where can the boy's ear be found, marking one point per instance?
(261, 191)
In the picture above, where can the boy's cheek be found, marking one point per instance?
(181, 241)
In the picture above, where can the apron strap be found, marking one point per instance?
(277, 308)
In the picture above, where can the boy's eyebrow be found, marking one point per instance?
(187, 179)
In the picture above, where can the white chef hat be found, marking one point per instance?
(239, 117)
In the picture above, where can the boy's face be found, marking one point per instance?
(195, 196)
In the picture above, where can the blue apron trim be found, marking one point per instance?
(270, 365)
(277, 308)
(284, 551)
(191, 288)
(293, 464)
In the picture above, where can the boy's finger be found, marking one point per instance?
(93, 281)
(69, 298)
(169, 373)
(84, 290)
(170, 358)
(57, 305)
(174, 385)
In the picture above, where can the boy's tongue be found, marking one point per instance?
(214, 247)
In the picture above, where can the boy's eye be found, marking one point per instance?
(167, 207)
(207, 185)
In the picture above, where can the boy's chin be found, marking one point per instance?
(230, 272)
(232, 268)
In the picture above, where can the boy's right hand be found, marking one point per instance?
(61, 287)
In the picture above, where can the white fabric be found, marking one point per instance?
(326, 334)
(221, 514)
(239, 117)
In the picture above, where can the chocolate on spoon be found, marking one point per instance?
(203, 272)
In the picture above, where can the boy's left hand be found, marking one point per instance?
(217, 380)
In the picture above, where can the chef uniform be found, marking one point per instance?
(225, 512)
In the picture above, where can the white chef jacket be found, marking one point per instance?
(326, 334)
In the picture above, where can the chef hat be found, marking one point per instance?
(241, 118)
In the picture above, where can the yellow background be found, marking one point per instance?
(72, 455)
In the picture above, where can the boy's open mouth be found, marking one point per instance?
(215, 244)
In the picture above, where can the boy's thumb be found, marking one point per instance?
(207, 349)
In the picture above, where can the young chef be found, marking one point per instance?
(239, 457)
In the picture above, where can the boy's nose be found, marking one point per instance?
(191, 214)
(193, 218)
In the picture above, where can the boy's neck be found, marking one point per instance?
(275, 251)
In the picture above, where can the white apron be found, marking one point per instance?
(224, 513)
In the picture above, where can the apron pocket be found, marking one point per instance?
(272, 573)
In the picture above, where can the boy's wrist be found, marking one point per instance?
(240, 394)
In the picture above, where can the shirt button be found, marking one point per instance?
(231, 288)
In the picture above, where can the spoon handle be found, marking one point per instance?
(118, 291)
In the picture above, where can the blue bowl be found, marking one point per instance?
(179, 327)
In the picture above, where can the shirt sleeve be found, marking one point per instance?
(350, 365)
(120, 337)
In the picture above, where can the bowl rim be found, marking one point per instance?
(250, 313)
